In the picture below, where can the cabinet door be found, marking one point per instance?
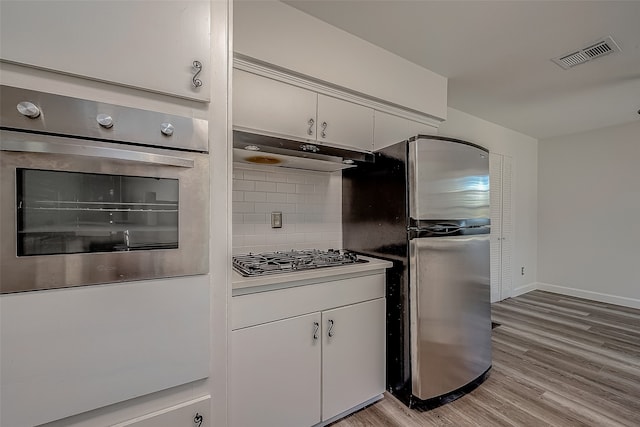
(275, 374)
(145, 44)
(417, 128)
(389, 129)
(353, 358)
(272, 107)
(344, 123)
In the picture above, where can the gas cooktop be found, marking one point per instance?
(288, 261)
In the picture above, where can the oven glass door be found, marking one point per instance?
(71, 212)
(85, 212)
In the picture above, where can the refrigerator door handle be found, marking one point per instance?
(437, 230)
(443, 229)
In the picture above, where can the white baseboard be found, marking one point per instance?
(581, 293)
(524, 289)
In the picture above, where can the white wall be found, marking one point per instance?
(524, 151)
(310, 202)
(589, 214)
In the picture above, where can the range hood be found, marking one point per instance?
(258, 149)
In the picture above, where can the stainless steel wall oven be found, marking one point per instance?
(96, 193)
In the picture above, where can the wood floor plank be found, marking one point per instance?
(557, 361)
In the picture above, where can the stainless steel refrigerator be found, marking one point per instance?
(424, 204)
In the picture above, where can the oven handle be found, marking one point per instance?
(51, 147)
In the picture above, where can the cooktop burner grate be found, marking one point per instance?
(295, 260)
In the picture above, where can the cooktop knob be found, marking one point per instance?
(28, 109)
(166, 129)
(105, 120)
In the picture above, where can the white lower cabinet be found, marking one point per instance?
(305, 370)
(353, 356)
(275, 374)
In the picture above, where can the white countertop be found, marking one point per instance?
(245, 285)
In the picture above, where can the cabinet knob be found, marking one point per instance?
(311, 122)
(104, 120)
(330, 333)
(28, 109)
(166, 129)
(324, 129)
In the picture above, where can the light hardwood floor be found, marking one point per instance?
(557, 361)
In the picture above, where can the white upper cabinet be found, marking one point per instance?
(417, 128)
(272, 107)
(146, 44)
(389, 129)
(344, 123)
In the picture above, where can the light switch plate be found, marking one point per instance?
(276, 219)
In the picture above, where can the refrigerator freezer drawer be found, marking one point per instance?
(450, 313)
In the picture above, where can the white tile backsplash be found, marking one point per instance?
(254, 175)
(265, 186)
(255, 196)
(282, 187)
(311, 203)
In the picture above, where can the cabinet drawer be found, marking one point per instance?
(257, 308)
(194, 413)
(101, 344)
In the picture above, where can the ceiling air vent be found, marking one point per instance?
(594, 50)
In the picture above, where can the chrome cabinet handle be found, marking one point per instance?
(324, 129)
(198, 419)
(311, 122)
(197, 65)
(330, 333)
(316, 328)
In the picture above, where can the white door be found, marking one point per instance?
(353, 358)
(501, 171)
(344, 123)
(145, 44)
(275, 373)
(272, 107)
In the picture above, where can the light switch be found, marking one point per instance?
(276, 219)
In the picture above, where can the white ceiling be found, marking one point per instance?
(497, 55)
